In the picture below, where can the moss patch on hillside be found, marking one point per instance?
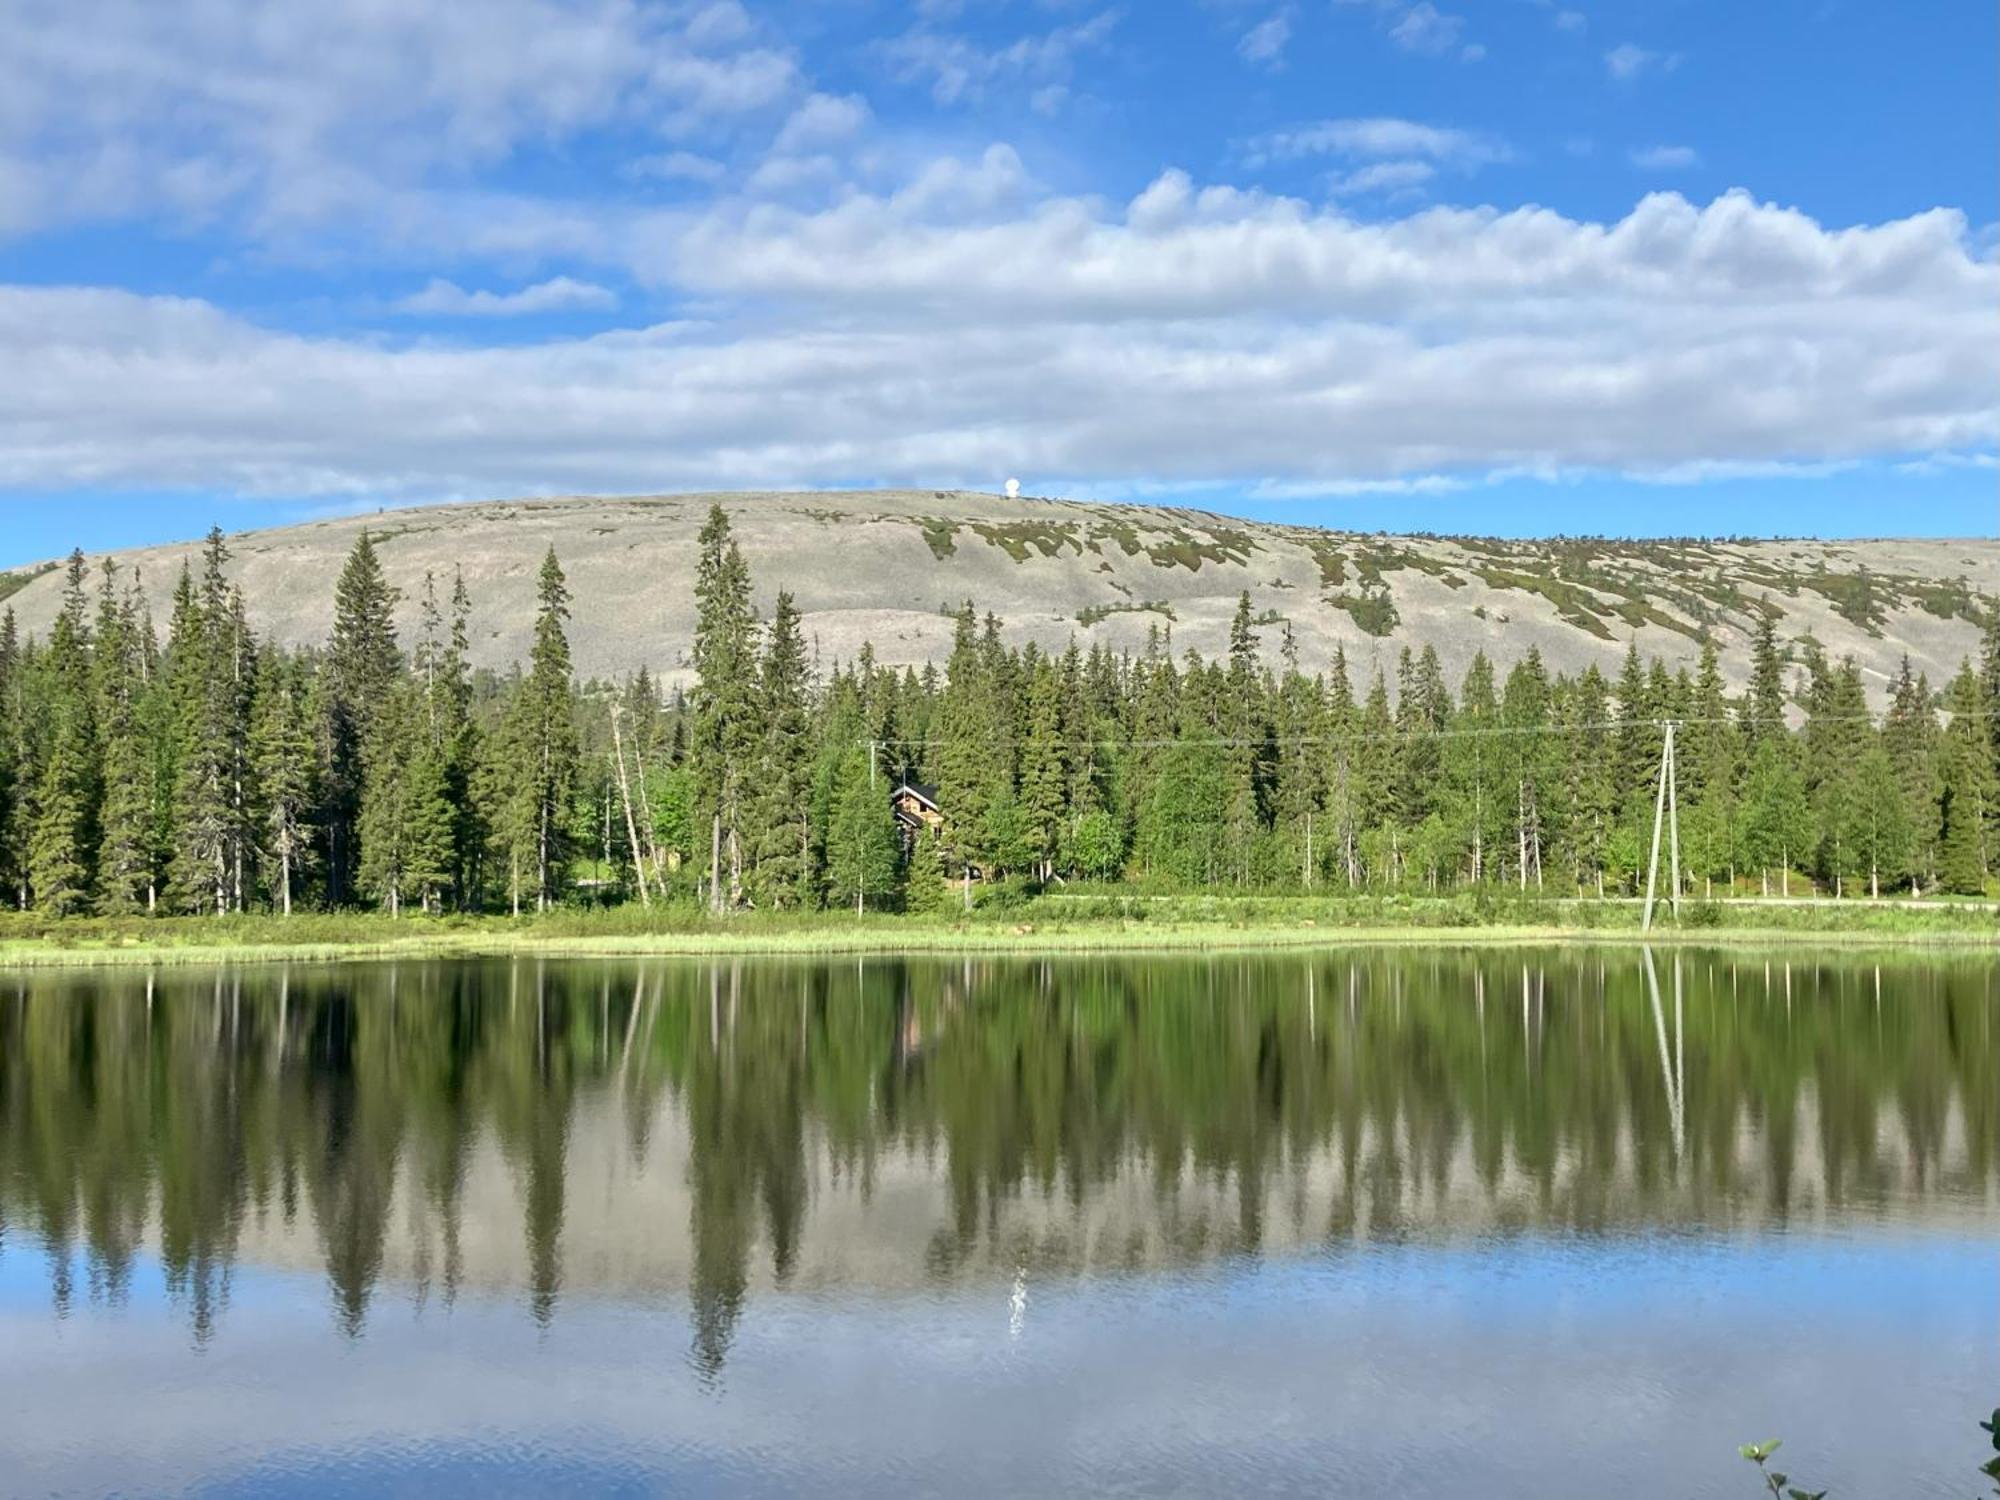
(12, 583)
(1096, 614)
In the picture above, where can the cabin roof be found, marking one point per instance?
(924, 794)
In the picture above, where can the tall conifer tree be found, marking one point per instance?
(362, 664)
(782, 798)
(725, 733)
(63, 839)
(125, 850)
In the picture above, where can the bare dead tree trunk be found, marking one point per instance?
(625, 795)
(715, 864)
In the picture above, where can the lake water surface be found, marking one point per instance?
(1427, 1223)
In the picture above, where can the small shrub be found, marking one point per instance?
(1779, 1484)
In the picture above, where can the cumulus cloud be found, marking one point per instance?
(1666, 158)
(283, 113)
(441, 298)
(968, 324)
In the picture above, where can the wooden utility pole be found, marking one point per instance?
(1666, 801)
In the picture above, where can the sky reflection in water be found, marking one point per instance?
(1423, 1223)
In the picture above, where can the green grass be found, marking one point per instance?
(1114, 919)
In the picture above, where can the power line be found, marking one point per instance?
(1402, 736)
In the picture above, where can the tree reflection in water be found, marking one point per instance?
(886, 1123)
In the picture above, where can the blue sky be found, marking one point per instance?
(1489, 265)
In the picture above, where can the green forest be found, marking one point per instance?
(200, 770)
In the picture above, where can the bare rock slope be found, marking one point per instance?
(885, 567)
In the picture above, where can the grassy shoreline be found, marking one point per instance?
(1109, 925)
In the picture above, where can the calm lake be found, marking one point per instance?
(1425, 1223)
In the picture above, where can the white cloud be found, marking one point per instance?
(670, 166)
(1572, 21)
(1425, 28)
(777, 176)
(287, 115)
(724, 23)
(1265, 42)
(1628, 61)
(1419, 26)
(1666, 158)
(559, 294)
(1050, 99)
(968, 325)
(822, 120)
(1381, 177)
(1377, 136)
(958, 70)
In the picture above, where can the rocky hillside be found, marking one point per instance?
(886, 566)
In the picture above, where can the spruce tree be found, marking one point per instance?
(1475, 772)
(386, 833)
(1966, 779)
(1185, 822)
(1298, 785)
(1242, 726)
(1044, 773)
(1528, 751)
(1342, 770)
(861, 846)
(542, 742)
(725, 732)
(211, 672)
(436, 747)
(236, 687)
(64, 829)
(782, 796)
(1155, 719)
(1764, 708)
(198, 831)
(13, 727)
(1989, 689)
(1088, 713)
(1376, 786)
(972, 777)
(1909, 735)
(1589, 780)
(362, 664)
(285, 754)
(457, 735)
(1713, 751)
(1836, 736)
(125, 849)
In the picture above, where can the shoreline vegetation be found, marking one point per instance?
(1022, 926)
(218, 794)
